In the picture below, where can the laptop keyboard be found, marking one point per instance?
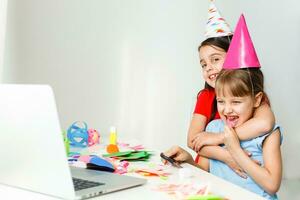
(80, 184)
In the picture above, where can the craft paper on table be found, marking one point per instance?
(130, 155)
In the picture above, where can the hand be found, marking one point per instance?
(235, 167)
(203, 139)
(231, 139)
(179, 155)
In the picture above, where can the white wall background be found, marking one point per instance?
(134, 64)
(3, 9)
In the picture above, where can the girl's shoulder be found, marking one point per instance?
(260, 140)
(206, 93)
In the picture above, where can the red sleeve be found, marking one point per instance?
(203, 104)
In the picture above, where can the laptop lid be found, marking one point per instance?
(31, 147)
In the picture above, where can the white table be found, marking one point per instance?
(217, 186)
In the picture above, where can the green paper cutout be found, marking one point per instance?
(124, 153)
(130, 155)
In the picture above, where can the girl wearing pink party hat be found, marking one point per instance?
(212, 52)
(239, 92)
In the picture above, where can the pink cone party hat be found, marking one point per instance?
(241, 52)
(216, 25)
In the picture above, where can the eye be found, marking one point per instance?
(203, 65)
(236, 102)
(220, 101)
(215, 59)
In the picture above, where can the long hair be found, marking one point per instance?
(220, 42)
(241, 82)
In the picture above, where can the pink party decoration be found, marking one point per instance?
(241, 52)
(94, 137)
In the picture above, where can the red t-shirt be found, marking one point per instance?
(204, 104)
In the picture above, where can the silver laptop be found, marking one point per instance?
(32, 151)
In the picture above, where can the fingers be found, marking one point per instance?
(236, 168)
(178, 154)
(256, 162)
(172, 151)
(227, 130)
(164, 161)
(241, 173)
(194, 142)
(179, 158)
(226, 133)
(183, 156)
(249, 154)
(197, 144)
(194, 145)
(193, 139)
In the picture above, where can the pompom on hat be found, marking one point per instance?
(241, 52)
(216, 25)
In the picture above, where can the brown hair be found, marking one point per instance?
(241, 82)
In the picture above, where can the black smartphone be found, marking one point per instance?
(170, 160)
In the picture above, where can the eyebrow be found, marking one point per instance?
(214, 54)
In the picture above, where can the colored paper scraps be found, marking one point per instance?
(121, 167)
(137, 147)
(134, 147)
(73, 154)
(183, 191)
(130, 155)
(153, 169)
(153, 172)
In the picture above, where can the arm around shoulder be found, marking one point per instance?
(262, 122)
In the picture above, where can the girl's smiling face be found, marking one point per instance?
(211, 61)
(238, 93)
(236, 110)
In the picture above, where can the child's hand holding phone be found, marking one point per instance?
(170, 160)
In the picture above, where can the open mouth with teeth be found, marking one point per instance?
(213, 76)
(232, 120)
